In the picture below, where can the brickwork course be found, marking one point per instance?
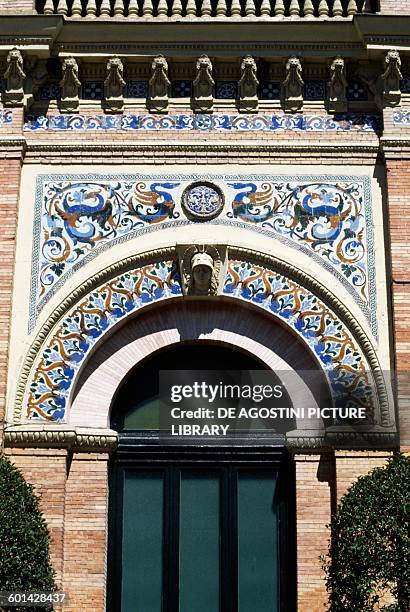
(68, 464)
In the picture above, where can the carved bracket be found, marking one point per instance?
(70, 86)
(15, 75)
(159, 85)
(114, 86)
(248, 86)
(292, 86)
(204, 86)
(337, 87)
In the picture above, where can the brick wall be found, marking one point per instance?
(14, 7)
(46, 470)
(352, 464)
(10, 170)
(85, 533)
(398, 181)
(401, 7)
(74, 501)
(314, 483)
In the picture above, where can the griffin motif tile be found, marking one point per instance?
(327, 218)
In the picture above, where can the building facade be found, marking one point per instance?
(201, 185)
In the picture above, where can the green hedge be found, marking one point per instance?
(24, 538)
(369, 548)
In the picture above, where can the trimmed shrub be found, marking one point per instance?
(368, 563)
(24, 537)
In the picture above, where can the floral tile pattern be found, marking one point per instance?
(80, 330)
(327, 218)
(311, 319)
(59, 361)
(258, 123)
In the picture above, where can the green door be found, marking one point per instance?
(198, 538)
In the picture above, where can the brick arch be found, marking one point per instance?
(60, 358)
(220, 322)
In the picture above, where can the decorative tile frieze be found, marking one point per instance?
(401, 117)
(205, 122)
(49, 91)
(328, 218)
(56, 367)
(356, 91)
(269, 90)
(137, 89)
(314, 90)
(226, 90)
(6, 116)
(181, 89)
(405, 84)
(92, 90)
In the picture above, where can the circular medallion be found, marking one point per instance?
(202, 201)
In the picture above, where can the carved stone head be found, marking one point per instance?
(15, 56)
(338, 64)
(159, 63)
(392, 56)
(203, 63)
(202, 267)
(248, 63)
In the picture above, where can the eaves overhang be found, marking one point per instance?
(360, 36)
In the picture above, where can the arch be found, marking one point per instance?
(184, 321)
(288, 295)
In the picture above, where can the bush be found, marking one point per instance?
(369, 548)
(24, 538)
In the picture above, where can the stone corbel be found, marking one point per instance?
(292, 86)
(70, 86)
(159, 85)
(391, 78)
(14, 75)
(114, 86)
(202, 268)
(203, 86)
(248, 86)
(337, 87)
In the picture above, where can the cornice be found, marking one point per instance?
(13, 147)
(397, 146)
(331, 441)
(106, 441)
(167, 149)
(325, 37)
(73, 439)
